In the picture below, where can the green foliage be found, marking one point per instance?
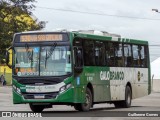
(15, 16)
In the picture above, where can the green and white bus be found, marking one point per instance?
(78, 69)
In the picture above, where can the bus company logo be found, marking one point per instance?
(139, 75)
(111, 75)
(6, 114)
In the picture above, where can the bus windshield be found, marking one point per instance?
(42, 61)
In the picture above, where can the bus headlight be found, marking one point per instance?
(16, 89)
(68, 86)
(64, 88)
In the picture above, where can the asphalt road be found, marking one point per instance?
(99, 111)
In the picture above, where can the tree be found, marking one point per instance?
(16, 16)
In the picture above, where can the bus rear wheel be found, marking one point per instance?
(36, 108)
(88, 102)
(128, 99)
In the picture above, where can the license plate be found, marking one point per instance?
(39, 96)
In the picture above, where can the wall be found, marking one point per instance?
(156, 85)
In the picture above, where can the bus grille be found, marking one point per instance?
(46, 95)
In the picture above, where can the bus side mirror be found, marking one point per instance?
(78, 59)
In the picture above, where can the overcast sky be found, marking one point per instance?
(127, 27)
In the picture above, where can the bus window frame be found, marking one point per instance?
(77, 45)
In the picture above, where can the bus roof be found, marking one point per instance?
(91, 34)
(109, 38)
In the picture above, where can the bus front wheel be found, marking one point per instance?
(88, 102)
(36, 108)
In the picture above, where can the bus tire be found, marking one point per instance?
(36, 108)
(87, 105)
(128, 98)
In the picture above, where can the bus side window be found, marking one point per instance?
(143, 56)
(119, 55)
(99, 53)
(78, 57)
(102, 56)
(110, 54)
(136, 56)
(78, 54)
(146, 52)
(127, 55)
(89, 53)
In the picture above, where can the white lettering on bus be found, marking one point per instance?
(111, 75)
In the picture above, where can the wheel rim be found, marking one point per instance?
(129, 98)
(88, 99)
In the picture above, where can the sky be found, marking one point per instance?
(128, 27)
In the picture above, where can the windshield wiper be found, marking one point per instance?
(49, 53)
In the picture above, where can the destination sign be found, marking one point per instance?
(40, 37)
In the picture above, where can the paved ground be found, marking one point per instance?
(147, 103)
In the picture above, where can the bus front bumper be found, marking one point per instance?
(66, 97)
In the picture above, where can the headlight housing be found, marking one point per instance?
(16, 89)
(65, 87)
